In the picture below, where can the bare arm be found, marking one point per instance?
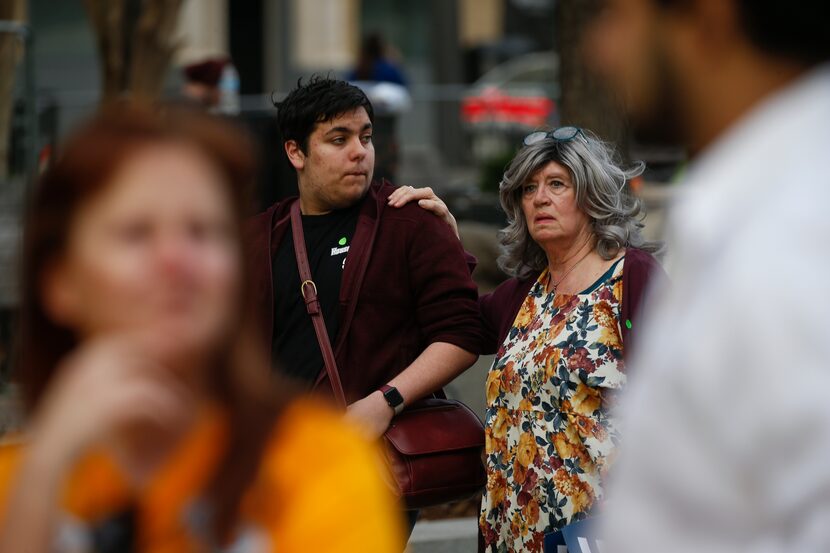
(447, 315)
(437, 365)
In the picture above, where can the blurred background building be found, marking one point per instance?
(470, 65)
(479, 74)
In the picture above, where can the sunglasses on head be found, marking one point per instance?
(562, 134)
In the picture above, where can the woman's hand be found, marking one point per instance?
(102, 392)
(372, 413)
(426, 199)
(107, 392)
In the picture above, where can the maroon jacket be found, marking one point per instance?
(499, 308)
(405, 285)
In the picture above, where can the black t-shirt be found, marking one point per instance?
(294, 346)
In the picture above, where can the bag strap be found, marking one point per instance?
(308, 290)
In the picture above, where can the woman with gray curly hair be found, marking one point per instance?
(559, 328)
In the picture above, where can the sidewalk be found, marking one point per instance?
(457, 535)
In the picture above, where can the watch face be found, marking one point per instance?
(393, 397)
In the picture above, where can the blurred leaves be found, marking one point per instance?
(492, 171)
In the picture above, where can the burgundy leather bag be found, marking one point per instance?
(434, 447)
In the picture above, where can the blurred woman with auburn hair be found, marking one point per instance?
(154, 424)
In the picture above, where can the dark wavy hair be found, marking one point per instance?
(318, 100)
(240, 379)
(796, 29)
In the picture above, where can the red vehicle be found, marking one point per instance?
(519, 95)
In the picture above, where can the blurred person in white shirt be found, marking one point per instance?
(727, 435)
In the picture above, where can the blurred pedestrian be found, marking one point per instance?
(154, 424)
(201, 83)
(383, 81)
(374, 63)
(560, 329)
(728, 423)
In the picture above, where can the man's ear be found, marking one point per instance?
(295, 154)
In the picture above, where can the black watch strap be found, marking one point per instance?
(393, 398)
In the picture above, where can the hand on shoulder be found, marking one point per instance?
(428, 200)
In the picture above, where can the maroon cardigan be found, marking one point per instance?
(406, 284)
(499, 308)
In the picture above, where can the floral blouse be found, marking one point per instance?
(550, 438)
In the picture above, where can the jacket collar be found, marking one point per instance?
(359, 257)
(373, 205)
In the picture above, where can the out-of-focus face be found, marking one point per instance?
(154, 255)
(337, 167)
(550, 208)
(632, 44)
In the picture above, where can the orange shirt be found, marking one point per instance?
(319, 488)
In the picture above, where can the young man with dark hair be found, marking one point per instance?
(727, 435)
(396, 293)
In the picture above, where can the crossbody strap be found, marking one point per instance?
(308, 290)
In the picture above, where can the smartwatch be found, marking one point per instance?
(393, 398)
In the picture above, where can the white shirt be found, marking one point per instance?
(727, 419)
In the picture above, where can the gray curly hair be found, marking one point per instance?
(599, 183)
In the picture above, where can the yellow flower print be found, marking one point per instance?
(586, 400)
(491, 443)
(610, 336)
(518, 526)
(610, 333)
(579, 492)
(496, 487)
(618, 290)
(501, 424)
(603, 314)
(587, 427)
(519, 472)
(552, 364)
(526, 315)
(510, 379)
(495, 436)
(531, 512)
(526, 450)
(556, 329)
(493, 386)
(564, 448)
(569, 446)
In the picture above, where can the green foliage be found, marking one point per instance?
(492, 170)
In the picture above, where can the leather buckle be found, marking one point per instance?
(304, 284)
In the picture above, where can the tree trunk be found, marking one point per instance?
(585, 100)
(107, 18)
(10, 54)
(154, 44)
(135, 48)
